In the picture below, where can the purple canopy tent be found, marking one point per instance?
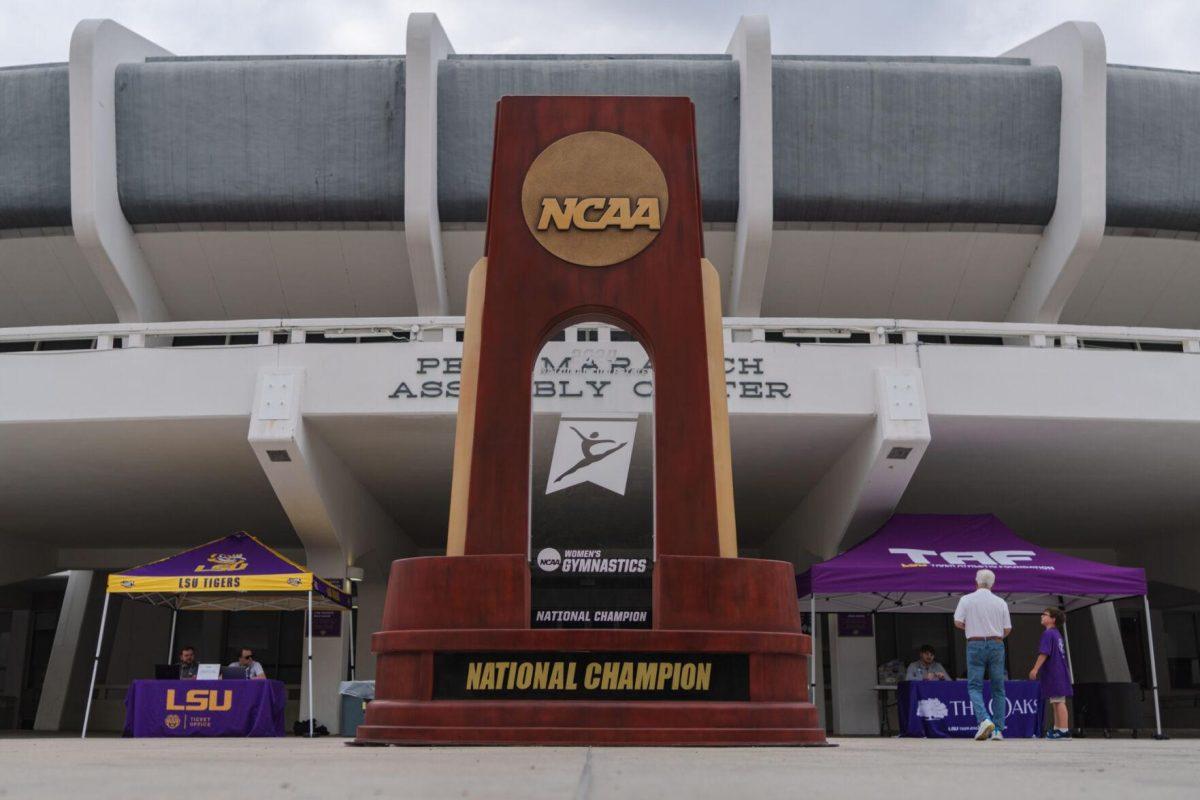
(922, 563)
(233, 573)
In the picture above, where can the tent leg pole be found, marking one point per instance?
(812, 642)
(353, 641)
(311, 710)
(1067, 647)
(171, 643)
(87, 709)
(1158, 733)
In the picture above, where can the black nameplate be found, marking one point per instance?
(592, 676)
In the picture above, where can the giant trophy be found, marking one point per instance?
(594, 215)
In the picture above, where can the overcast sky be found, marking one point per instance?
(1158, 33)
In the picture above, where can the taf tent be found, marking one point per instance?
(922, 563)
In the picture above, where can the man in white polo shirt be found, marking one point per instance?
(985, 620)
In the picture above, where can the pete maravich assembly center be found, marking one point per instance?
(234, 297)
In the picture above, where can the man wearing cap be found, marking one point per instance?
(985, 620)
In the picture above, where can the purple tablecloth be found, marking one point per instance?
(205, 708)
(942, 710)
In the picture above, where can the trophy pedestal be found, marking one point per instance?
(737, 615)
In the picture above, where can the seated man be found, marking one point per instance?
(187, 663)
(246, 661)
(925, 668)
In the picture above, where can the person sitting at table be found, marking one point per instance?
(187, 663)
(246, 661)
(925, 668)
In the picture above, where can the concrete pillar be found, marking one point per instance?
(861, 490)
(70, 668)
(372, 592)
(330, 653)
(750, 48)
(1097, 654)
(339, 522)
(1075, 230)
(427, 44)
(103, 233)
(855, 705)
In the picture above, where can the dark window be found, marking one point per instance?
(197, 341)
(985, 340)
(66, 344)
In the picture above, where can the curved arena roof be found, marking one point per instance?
(856, 139)
(915, 187)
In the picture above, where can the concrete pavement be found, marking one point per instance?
(99, 768)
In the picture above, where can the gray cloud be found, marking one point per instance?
(1159, 34)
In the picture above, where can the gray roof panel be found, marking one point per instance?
(915, 141)
(35, 147)
(261, 140)
(1153, 149)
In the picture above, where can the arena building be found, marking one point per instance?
(231, 292)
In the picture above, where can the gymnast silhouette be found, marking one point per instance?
(588, 445)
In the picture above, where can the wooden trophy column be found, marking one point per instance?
(594, 214)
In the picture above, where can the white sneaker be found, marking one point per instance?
(985, 730)
(997, 736)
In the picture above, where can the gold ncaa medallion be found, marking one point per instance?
(594, 198)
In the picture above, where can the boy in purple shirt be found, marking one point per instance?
(1052, 666)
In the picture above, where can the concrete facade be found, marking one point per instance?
(310, 221)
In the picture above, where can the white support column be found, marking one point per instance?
(103, 233)
(427, 44)
(1075, 230)
(65, 687)
(339, 522)
(861, 490)
(751, 49)
(1110, 650)
(853, 700)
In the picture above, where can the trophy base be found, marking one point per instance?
(740, 614)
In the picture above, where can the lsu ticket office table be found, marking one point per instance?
(163, 708)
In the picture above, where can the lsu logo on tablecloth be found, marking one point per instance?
(201, 700)
(224, 562)
(172, 721)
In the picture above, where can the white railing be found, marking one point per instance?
(263, 332)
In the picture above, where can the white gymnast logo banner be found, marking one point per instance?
(592, 449)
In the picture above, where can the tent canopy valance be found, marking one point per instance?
(925, 562)
(233, 573)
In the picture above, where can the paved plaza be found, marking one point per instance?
(104, 767)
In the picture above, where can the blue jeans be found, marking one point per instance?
(986, 657)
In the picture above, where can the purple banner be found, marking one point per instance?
(205, 708)
(942, 709)
(326, 624)
(855, 625)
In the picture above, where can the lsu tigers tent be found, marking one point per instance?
(233, 573)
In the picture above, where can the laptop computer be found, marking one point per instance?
(166, 672)
(233, 673)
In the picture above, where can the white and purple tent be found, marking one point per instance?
(922, 563)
